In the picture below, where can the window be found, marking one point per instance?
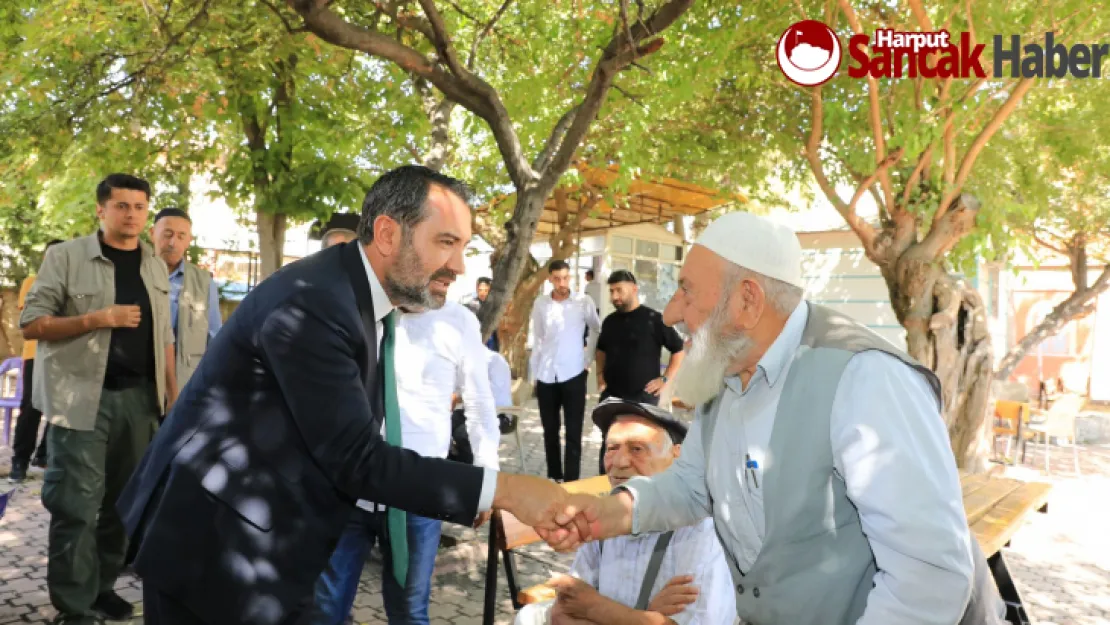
(670, 252)
(621, 245)
(647, 249)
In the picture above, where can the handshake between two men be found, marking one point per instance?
(564, 520)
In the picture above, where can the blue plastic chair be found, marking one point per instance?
(8, 404)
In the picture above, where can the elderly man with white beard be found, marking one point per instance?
(818, 448)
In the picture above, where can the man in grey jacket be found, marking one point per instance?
(818, 449)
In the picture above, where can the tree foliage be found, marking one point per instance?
(1058, 195)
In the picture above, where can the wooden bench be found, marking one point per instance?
(996, 507)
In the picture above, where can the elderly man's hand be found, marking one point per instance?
(576, 598)
(675, 596)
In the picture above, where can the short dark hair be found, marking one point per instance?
(120, 181)
(589, 274)
(557, 265)
(173, 211)
(485, 281)
(622, 275)
(402, 194)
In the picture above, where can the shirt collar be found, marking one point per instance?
(782, 350)
(180, 271)
(93, 249)
(382, 305)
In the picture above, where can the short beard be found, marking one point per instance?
(404, 283)
(713, 351)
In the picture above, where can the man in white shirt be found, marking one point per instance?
(593, 289)
(439, 351)
(615, 581)
(818, 449)
(558, 365)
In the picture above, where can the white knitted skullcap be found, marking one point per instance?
(756, 244)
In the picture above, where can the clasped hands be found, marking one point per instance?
(563, 520)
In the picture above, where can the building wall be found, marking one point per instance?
(1066, 356)
(840, 276)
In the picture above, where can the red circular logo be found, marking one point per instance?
(808, 53)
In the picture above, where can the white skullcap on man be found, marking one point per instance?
(756, 244)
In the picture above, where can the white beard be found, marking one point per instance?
(707, 361)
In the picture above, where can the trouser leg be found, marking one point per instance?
(134, 420)
(574, 410)
(548, 398)
(72, 491)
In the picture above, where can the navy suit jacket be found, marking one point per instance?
(241, 497)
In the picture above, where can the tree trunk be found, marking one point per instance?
(509, 264)
(513, 329)
(946, 330)
(271, 241)
(1078, 305)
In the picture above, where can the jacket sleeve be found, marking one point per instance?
(313, 352)
(47, 296)
(676, 497)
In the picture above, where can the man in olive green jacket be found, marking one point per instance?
(100, 311)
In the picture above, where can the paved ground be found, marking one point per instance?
(1061, 560)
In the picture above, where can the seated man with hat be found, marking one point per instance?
(665, 577)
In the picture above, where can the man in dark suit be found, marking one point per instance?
(244, 492)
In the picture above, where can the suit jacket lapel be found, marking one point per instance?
(356, 271)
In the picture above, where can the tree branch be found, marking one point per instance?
(920, 15)
(554, 140)
(474, 94)
(442, 40)
(865, 231)
(876, 114)
(618, 54)
(915, 175)
(980, 142)
(485, 33)
(409, 22)
(1046, 244)
(1078, 305)
(288, 26)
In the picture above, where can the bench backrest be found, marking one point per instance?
(515, 534)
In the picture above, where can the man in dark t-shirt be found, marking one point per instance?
(629, 349)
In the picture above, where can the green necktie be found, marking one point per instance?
(398, 526)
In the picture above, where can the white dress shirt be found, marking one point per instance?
(439, 352)
(500, 379)
(383, 307)
(558, 328)
(618, 570)
(891, 448)
(593, 290)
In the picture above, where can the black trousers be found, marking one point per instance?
(642, 397)
(570, 397)
(27, 425)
